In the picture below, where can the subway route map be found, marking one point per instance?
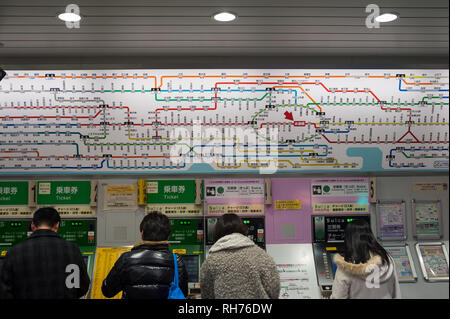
(205, 121)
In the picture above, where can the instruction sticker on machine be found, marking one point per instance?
(176, 209)
(236, 209)
(340, 208)
(288, 204)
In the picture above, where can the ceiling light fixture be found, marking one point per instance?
(387, 17)
(69, 17)
(224, 16)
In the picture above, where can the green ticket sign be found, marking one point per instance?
(171, 191)
(13, 193)
(64, 193)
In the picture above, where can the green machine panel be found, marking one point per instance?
(187, 239)
(82, 232)
(79, 231)
(12, 232)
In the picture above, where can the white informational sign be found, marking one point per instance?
(295, 263)
(120, 197)
(234, 189)
(237, 196)
(339, 188)
(223, 120)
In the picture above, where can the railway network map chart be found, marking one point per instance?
(206, 121)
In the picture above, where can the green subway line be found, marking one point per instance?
(192, 100)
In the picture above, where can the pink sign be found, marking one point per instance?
(289, 226)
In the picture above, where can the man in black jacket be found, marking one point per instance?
(44, 266)
(147, 271)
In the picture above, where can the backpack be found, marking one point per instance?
(174, 290)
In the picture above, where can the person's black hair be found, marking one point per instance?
(46, 216)
(2, 74)
(155, 227)
(360, 242)
(228, 224)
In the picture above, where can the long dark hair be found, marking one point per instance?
(360, 242)
(228, 224)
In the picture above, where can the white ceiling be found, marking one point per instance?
(263, 28)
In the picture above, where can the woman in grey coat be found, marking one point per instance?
(366, 271)
(236, 268)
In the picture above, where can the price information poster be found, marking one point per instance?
(391, 220)
(237, 196)
(405, 270)
(434, 261)
(427, 219)
(340, 195)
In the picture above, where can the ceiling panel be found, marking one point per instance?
(177, 27)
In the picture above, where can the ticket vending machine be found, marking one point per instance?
(187, 240)
(256, 230)
(79, 231)
(328, 240)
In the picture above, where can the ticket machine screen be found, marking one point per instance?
(330, 229)
(191, 263)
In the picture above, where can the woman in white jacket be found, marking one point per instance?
(366, 271)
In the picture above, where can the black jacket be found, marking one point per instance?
(145, 272)
(36, 269)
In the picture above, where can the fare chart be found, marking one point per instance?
(206, 121)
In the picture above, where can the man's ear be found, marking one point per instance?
(56, 227)
(142, 235)
(33, 226)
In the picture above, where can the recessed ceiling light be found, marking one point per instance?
(224, 16)
(69, 17)
(387, 17)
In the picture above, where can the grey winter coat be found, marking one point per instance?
(236, 268)
(360, 281)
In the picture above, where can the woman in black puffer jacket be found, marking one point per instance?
(146, 271)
